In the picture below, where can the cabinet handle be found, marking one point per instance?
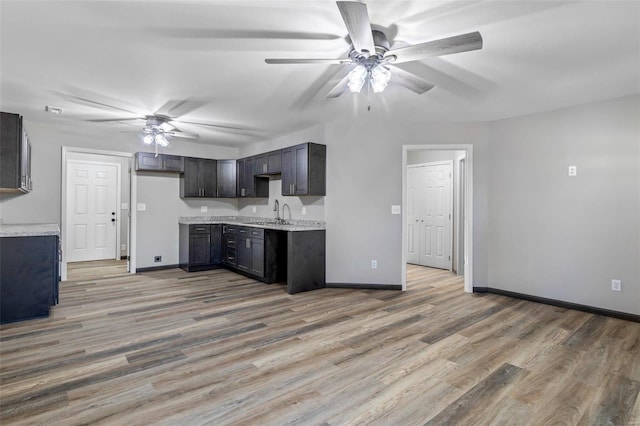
(248, 243)
(264, 168)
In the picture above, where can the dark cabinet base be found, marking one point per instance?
(28, 277)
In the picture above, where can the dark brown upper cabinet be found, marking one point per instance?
(149, 161)
(269, 163)
(15, 155)
(304, 169)
(226, 178)
(199, 178)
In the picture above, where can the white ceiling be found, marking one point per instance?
(137, 55)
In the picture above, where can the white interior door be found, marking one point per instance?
(413, 214)
(435, 241)
(429, 221)
(92, 202)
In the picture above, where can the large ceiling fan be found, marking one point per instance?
(374, 60)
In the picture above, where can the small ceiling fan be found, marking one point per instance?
(374, 60)
(161, 126)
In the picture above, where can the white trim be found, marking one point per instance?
(468, 232)
(132, 202)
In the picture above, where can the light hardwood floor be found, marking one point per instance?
(213, 347)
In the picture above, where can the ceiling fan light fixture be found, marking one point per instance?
(380, 77)
(161, 140)
(357, 77)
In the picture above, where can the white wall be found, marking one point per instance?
(364, 178)
(564, 237)
(314, 206)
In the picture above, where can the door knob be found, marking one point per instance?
(113, 213)
(113, 220)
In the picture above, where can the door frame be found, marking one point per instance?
(131, 267)
(468, 225)
(118, 200)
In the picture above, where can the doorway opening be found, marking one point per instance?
(97, 221)
(437, 226)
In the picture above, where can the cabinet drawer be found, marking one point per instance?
(244, 231)
(199, 229)
(230, 243)
(257, 233)
(229, 229)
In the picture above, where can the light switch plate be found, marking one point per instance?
(395, 209)
(142, 207)
(204, 209)
(253, 209)
(304, 211)
(573, 170)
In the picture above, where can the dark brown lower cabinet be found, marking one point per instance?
(29, 277)
(267, 255)
(200, 247)
(259, 253)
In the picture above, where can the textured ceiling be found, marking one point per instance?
(137, 55)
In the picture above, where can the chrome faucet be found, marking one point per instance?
(283, 215)
(276, 208)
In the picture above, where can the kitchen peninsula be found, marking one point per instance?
(265, 249)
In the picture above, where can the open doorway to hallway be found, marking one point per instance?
(437, 188)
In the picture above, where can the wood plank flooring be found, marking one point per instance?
(176, 348)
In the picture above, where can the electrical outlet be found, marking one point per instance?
(141, 207)
(253, 209)
(374, 264)
(124, 206)
(157, 259)
(204, 209)
(573, 170)
(395, 209)
(304, 211)
(123, 247)
(616, 285)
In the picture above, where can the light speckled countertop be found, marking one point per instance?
(29, 229)
(256, 222)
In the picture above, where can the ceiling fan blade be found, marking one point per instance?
(410, 81)
(179, 134)
(209, 33)
(445, 46)
(177, 108)
(109, 120)
(339, 88)
(308, 61)
(356, 19)
(95, 103)
(221, 126)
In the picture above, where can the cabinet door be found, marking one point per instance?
(288, 170)
(240, 188)
(301, 170)
(274, 162)
(199, 249)
(249, 177)
(244, 253)
(189, 184)
(216, 245)
(172, 163)
(226, 178)
(261, 165)
(207, 172)
(257, 257)
(148, 161)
